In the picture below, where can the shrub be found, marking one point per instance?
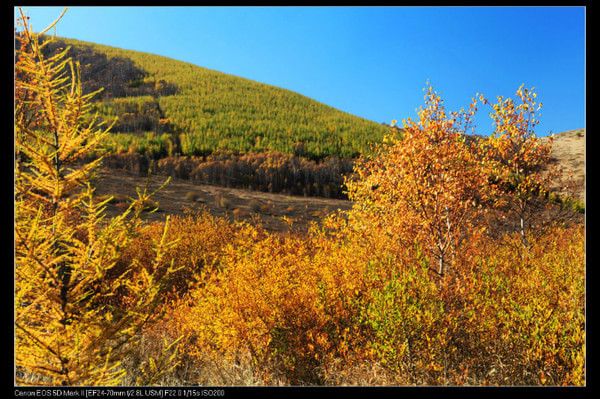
(254, 205)
(267, 208)
(239, 213)
(353, 293)
(202, 238)
(222, 201)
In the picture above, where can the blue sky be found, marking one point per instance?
(369, 61)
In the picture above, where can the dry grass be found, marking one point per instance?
(259, 207)
(189, 371)
(340, 373)
(240, 372)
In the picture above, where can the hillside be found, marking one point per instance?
(267, 209)
(568, 151)
(167, 106)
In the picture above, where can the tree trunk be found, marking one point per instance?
(441, 259)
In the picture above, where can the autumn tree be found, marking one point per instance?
(517, 161)
(76, 316)
(424, 189)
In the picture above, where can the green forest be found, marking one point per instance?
(203, 111)
(226, 130)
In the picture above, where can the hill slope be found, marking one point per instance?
(568, 151)
(173, 106)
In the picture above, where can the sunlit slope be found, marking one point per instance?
(568, 151)
(207, 110)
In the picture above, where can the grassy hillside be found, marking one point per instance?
(167, 106)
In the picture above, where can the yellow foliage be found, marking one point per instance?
(360, 289)
(76, 314)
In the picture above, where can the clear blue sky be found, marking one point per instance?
(369, 61)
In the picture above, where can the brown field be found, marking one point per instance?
(269, 209)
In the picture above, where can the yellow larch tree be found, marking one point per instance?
(76, 315)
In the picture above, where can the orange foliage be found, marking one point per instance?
(359, 290)
(201, 238)
(300, 307)
(276, 299)
(515, 158)
(427, 186)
